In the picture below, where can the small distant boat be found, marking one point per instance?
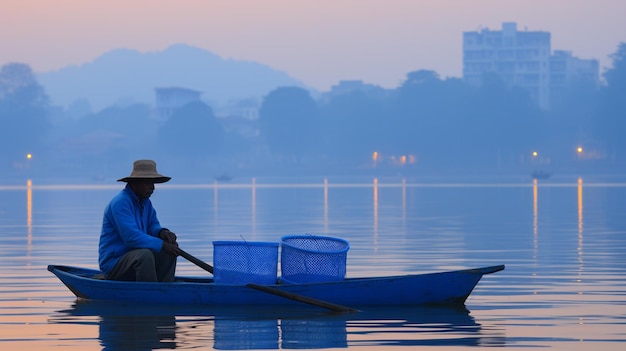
(541, 175)
(223, 178)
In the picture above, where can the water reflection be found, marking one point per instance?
(580, 221)
(535, 201)
(29, 215)
(126, 327)
(244, 334)
(137, 332)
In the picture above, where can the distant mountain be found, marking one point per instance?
(128, 75)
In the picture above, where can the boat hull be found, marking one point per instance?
(447, 288)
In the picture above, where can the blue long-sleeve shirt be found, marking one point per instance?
(128, 224)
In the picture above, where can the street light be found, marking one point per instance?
(374, 158)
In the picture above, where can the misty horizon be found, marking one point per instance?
(491, 123)
(376, 42)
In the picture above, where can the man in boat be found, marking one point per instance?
(133, 245)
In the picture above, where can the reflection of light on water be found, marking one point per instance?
(376, 213)
(325, 205)
(535, 229)
(535, 244)
(580, 222)
(580, 219)
(29, 213)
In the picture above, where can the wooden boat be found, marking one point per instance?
(443, 288)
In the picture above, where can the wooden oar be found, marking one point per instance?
(270, 290)
(207, 267)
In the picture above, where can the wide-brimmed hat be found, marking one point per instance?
(145, 170)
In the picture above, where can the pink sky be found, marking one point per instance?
(318, 42)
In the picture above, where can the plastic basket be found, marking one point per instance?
(243, 262)
(313, 258)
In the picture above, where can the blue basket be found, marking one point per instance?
(313, 258)
(243, 262)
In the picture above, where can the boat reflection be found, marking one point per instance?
(130, 327)
(137, 332)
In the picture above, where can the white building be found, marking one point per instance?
(519, 58)
(524, 59)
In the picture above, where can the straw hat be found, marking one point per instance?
(145, 170)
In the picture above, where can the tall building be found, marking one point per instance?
(519, 58)
(523, 59)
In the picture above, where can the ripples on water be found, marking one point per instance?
(562, 240)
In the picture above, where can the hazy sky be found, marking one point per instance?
(316, 41)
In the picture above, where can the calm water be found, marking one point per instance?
(563, 241)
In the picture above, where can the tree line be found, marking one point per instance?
(426, 123)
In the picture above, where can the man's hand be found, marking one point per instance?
(170, 245)
(170, 248)
(167, 236)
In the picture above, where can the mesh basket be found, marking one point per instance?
(243, 262)
(312, 258)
